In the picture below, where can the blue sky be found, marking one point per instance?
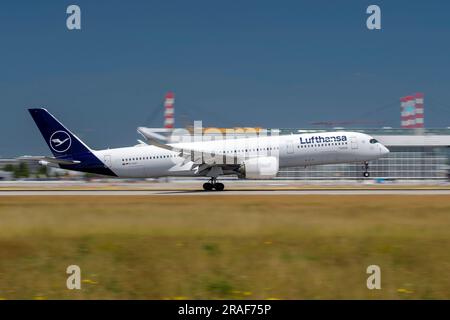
(241, 63)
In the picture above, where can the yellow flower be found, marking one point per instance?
(402, 290)
(39, 298)
(89, 281)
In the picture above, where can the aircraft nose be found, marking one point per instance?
(383, 150)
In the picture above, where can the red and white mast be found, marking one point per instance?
(408, 118)
(169, 101)
(419, 110)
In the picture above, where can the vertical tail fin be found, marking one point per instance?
(59, 139)
(65, 145)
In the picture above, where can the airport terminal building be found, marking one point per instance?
(416, 154)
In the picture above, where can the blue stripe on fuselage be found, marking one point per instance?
(88, 163)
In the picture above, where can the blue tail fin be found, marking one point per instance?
(62, 142)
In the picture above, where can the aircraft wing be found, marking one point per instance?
(154, 133)
(48, 159)
(198, 155)
(196, 160)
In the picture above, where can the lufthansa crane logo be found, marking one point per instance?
(60, 141)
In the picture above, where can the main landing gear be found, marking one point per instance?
(366, 173)
(213, 184)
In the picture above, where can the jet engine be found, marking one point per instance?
(259, 168)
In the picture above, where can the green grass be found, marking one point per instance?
(215, 247)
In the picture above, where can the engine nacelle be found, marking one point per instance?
(259, 168)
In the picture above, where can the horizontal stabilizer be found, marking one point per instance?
(48, 159)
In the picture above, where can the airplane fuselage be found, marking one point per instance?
(258, 157)
(147, 161)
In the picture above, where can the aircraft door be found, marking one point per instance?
(290, 147)
(353, 142)
(108, 161)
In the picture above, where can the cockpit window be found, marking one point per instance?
(373, 141)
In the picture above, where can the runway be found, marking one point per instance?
(194, 188)
(265, 192)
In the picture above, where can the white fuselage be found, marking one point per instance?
(146, 161)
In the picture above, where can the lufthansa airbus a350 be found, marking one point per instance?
(249, 157)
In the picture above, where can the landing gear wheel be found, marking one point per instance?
(207, 186)
(219, 186)
(366, 168)
(213, 184)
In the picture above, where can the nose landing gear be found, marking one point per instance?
(213, 184)
(366, 173)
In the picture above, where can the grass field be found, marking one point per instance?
(215, 247)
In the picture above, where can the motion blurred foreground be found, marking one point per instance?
(215, 247)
